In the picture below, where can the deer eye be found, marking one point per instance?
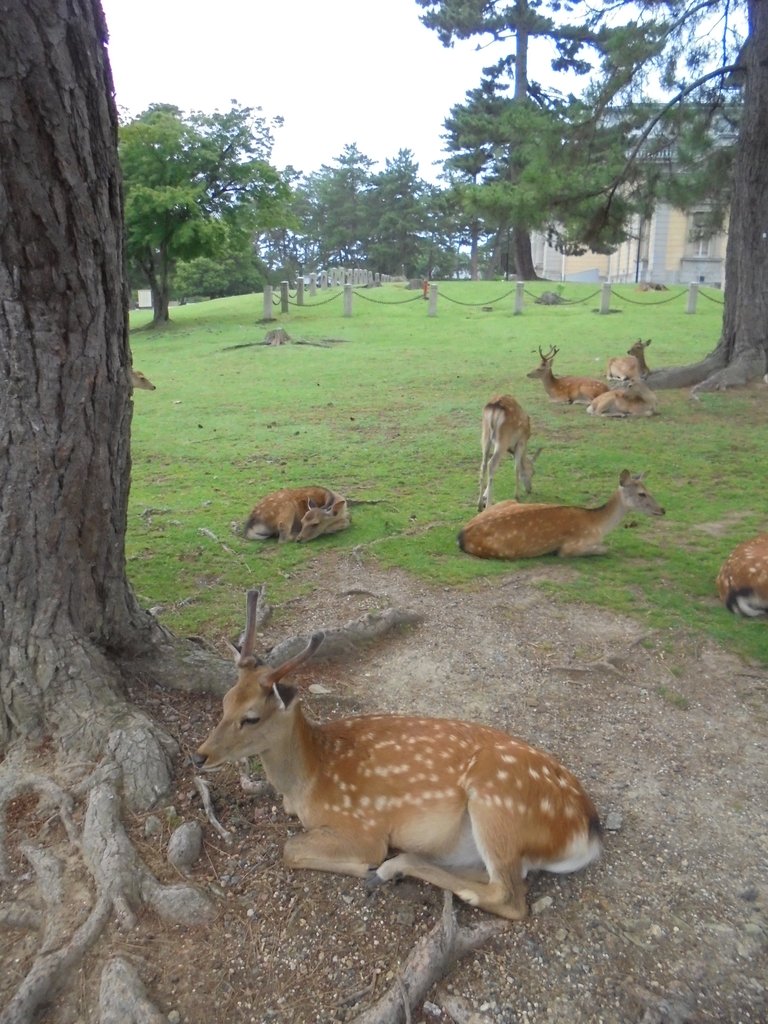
(249, 720)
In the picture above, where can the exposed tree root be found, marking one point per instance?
(711, 374)
(123, 998)
(431, 959)
(15, 783)
(342, 641)
(122, 884)
(120, 874)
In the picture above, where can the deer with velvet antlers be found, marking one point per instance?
(509, 530)
(297, 513)
(742, 582)
(462, 806)
(570, 390)
(506, 428)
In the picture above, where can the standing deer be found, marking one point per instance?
(636, 399)
(743, 580)
(297, 513)
(467, 807)
(565, 389)
(509, 530)
(139, 382)
(632, 366)
(506, 428)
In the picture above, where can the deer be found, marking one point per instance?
(742, 582)
(297, 514)
(140, 382)
(636, 399)
(568, 390)
(459, 805)
(506, 428)
(632, 366)
(510, 530)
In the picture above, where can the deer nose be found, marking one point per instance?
(198, 760)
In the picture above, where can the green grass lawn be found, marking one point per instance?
(388, 412)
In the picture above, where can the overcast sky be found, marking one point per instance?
(363, 71)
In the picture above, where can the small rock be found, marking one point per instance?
(152, 826)
(541, 904)
(185, 845)
(174, 1017)
(614, 820)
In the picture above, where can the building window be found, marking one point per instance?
(700, 234)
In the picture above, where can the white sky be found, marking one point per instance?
(339, 71)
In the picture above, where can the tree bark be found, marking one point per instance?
(741, 355)
(521, 238)
(70, 622)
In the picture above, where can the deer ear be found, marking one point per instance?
(284, 694)
(311, 503)
(625, 477)
(337, 507)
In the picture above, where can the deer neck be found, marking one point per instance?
(287, 761)
(550, 381)
(611, 513)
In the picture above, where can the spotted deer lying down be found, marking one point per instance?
(297, 513)
(509, 530)
(636, 399)
(467, 807)
(743, 580)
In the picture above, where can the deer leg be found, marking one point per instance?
(504, 895)
(320, 849)
(519, 453)
(574, 548)
(493, 465)
(483, 498)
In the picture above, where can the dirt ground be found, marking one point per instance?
(669, 737)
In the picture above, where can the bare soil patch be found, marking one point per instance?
(668, 734)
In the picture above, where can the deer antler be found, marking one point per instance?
(246, 658)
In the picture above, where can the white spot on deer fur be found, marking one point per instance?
(365, 801)
(501, 774)
(381, 803)
(547, 807)
(509, 759)
(533, 773)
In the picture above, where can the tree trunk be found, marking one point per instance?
(521, 238)
(474, 252)
(741, 355)
(158, 283)
(521, 235)
(71, 624)
(160, 307)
